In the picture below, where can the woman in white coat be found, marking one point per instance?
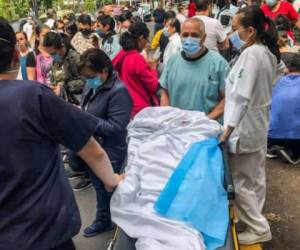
(246, 118)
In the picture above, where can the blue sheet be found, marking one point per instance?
(195, 193)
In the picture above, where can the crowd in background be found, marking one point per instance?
(114, 67)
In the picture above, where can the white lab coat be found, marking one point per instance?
(248, 97)
(173, 47)
(247, 101)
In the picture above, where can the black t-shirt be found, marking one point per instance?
(37, 206)
(159, 15)
(30, 60)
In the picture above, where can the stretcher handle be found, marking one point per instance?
(228, 182)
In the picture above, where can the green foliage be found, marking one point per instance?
(89, 5)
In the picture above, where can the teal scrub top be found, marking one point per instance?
(195, 85)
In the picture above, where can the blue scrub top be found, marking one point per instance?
(38, 210)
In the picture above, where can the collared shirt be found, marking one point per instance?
(195, 85)
(38, 210)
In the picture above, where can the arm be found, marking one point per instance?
(118, 116)
(31, 73)
(224, 45)
(155, 40)
(96, 158)
(164, 99)
(218, 111)
(223, 41)
(297, 24)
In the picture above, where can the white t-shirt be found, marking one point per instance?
(27, 28)
(50, 23)
(214, 32)
(174, 46)
(181, 18)
(248, 97)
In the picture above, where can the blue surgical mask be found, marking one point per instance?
(56, 57)
(191, 45)
(166, 32)
(94, 83)
(235, 39)
(271, 3)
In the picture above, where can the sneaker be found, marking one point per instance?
(97, 228)
(289, 157)
(250, 238)
(272, 153)
(82, 185)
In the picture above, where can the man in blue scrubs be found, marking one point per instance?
(195, 78)
(38, 210)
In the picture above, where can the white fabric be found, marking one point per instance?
(158, 140)
(181, 18)
(173, 47)
(28, 29)
(214, 31)
(249, 177)
(248, 94)
(50, 23)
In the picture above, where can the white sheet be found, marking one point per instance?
(158, 139)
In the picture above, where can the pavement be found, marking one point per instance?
(282, 209)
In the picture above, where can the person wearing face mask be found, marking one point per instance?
(274, 8)
(172, 32)
(85, 37)
(138, 74)
(59, 26)
(195, 78)
(106, 98)
(65, 80)
(110, 39)
(246, 117)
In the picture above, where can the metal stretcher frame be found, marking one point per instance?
(121, 241)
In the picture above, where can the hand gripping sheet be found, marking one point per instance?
(195, 193)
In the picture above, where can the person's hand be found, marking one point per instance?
(223, 138)
(153, 64)
(56, 90)
(226, 135)
(118, 178)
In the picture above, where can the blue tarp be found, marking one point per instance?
(195, 193)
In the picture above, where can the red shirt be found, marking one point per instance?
(285, 9)
(140, 79)
(192, 9)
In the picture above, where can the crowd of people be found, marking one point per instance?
(74, 86)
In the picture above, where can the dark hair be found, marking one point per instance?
(57, 40)
(95, 60)
(23, 33)
(71, 28)
(203, 5)
(55, 26)
(51, 13)
(107, 20)
(169, 14)
(85, 19)
(7, 44)
(38, 31)
(174, 23)
(136, 19)
(292, 61)
(126, 15)
(265, 28)
(282, 23)
(129, 39)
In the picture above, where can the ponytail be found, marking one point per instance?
(269, 37)
(253, 16)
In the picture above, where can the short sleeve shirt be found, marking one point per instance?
(285, 9)
(215, 33)
(37, 206)
(195, 85)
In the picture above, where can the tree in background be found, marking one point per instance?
(89, 5)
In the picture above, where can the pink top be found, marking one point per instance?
(140, 79)
(43, 68)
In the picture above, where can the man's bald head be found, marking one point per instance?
(196, 23)
(193, 27)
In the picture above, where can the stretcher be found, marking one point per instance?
(121, 241)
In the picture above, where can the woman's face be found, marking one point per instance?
(21, 40)
(90, 74)
(142, 43)
(171, 29)
(42, 35)
(245, 34)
